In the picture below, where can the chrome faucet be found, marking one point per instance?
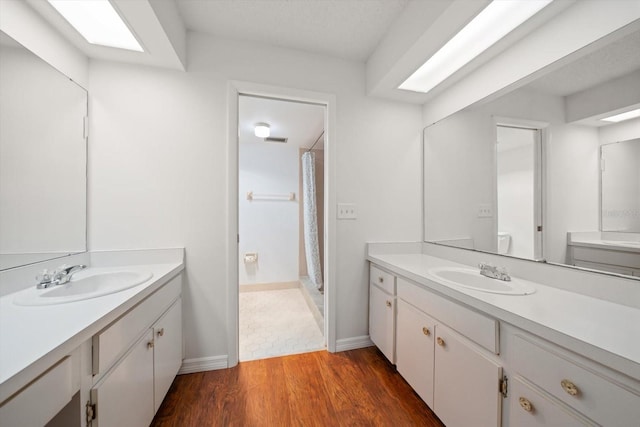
(60, 276)
(494, 272)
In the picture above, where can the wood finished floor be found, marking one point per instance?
(351, 388)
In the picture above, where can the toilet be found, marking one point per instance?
(504, 241)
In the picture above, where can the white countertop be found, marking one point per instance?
(606, 332)
(30, 335)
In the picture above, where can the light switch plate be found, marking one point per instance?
(485, 211)
(347, 211)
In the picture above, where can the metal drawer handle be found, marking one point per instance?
(388, 303)
(426, 331)
(160, 332)
(380, 279)
(569, 387)
(440, 341)
(525, 404)
(150, 344)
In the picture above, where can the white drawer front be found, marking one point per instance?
(114, 340)
(382, 279)
(42, 399)
(473, 325)
(530, 408)
(583, 389)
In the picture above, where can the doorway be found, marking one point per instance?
(519, 191)
(281, 227)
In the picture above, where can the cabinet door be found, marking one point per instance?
(466, 382)
(381, 321)
(530, 408)
(168, 350)
(415, 332)
(124, 397)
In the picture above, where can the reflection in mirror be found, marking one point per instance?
(42, 159)
(520, 175)
(620, 177)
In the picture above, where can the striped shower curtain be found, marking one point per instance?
(310, 219)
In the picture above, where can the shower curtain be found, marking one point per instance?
(310, 219)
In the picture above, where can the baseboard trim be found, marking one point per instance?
(353, 343)
(201, 364)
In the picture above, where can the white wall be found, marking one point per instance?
(27, 27)
(270, 228)
(621, 186)
(158, 169)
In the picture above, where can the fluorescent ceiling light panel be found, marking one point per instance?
(98, 22)
(497, 20)
(623, 116)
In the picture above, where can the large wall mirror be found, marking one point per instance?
(536, 173)
(43, 158)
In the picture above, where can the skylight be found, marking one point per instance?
(497, 20)
(98, 22)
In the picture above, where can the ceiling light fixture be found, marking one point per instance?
(495, 21)
(623, 116)
(98, 22)
(262, 130)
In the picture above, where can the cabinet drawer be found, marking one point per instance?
(604, 256)
(382, 279)
(580, 387)
(531, 408)
(42, 399)
(473, 325)
(113, 341)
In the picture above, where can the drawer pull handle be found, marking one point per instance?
(380, 279)
(426, 331)
(440, 341)
(569, 387)
(388, 303)
(160, 332)
(150, 344)
(525, 404)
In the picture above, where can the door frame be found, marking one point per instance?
(539, 177)
(234, 90)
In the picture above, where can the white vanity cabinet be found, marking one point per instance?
(570, 386)
(382, 311)
(415, 349)
(130, 386)
(456, 372)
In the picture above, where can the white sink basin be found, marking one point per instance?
(85, 285)
(472, 279)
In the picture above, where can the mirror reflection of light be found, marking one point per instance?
(98, 22)
(623, 116)
(495, 21)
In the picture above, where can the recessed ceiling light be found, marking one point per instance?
(623, 116)
(262, 130)
(98, 22)
(495, 21)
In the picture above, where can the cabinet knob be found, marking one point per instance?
(426, 331)
(388, 303)
(440, 341)
(380, 279)
(160, 332)
(569, 387)
(150, 344)
(525, 404)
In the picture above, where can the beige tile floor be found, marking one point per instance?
(276, 323)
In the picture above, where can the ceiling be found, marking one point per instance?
(301, 123)
(349, 29)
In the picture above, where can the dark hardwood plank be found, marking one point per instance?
(352, 388)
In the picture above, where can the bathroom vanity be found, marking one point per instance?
(478, 357)
(102, 361)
